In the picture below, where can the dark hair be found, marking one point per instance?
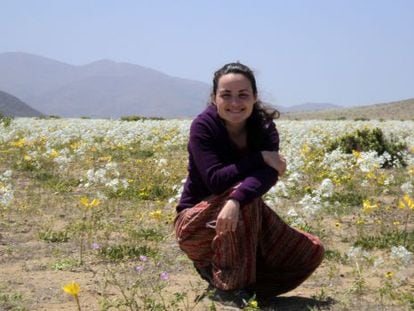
(265, 112)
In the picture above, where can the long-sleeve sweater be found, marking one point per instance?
(216, 164)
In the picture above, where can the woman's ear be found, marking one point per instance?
(213, 100)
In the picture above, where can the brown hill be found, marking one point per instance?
(398, 110)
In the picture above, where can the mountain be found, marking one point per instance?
(100, 89)
(308, 107)
(12, 106)
(397, 110)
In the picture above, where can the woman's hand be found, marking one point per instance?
(275, 160)
(228, 217)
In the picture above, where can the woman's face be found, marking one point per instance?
(234, 99)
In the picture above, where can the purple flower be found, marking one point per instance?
(164, 276)
(95, 246)
(143, 258)
(139, 268)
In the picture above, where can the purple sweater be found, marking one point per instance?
(216, 164)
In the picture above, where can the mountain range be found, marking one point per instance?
(106, 89)
(100, 89)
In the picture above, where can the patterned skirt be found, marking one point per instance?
(263, 254)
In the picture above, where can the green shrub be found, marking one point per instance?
(140, 118)
(5, 120)
(48, 117)
(387, 240)
(371, 140)
(121, 252)
(51, 236)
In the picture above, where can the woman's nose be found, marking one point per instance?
(234, 100)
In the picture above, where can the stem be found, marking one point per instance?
(77, 302)
(405, 227)
(124, 295)
(81, 251)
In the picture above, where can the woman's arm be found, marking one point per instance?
(253, 186)
(275, 160)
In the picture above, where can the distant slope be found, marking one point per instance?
(398, 110)
(100, 89)
(308, 107)
(12, 106)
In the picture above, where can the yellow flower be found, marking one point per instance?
(371, 175)
(26, 157)
(389, 275)
(72, 288)
(338, 225)
(105, 159)
(53, 154)
(95, 202)
(74, 145)
(156, 214)
(253, 304)
(406, 201)
(305, 149)
(367, 207)
(85, 202)
(356, 154)
(360, 221)
(396, 223)
(19, 143)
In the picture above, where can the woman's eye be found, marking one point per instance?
(225, 96)
(244, 95)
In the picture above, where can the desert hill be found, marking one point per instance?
(12, 106)
(398, 110)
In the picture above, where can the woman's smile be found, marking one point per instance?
(234, 100)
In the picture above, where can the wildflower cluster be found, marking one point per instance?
(107, 188)
(6, 189)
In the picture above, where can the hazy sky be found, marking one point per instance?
(349, 52)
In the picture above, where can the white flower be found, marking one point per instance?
(162, 162)
(407, 187)
(298, 222)
(281, 189)
(113, 184)
(292, 212)
(378, 262)
(311, 205)
(402, 254)
(326, 189)
(356, 253)
(8, 174)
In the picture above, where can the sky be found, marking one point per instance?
(343, 52)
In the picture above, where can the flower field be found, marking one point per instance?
(86, 212)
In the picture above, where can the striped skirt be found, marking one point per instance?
(263, 254)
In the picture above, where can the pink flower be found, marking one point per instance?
(143, 258)
(139, 268)
(95, 246)
(164, 276)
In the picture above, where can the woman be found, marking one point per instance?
(236, 242)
